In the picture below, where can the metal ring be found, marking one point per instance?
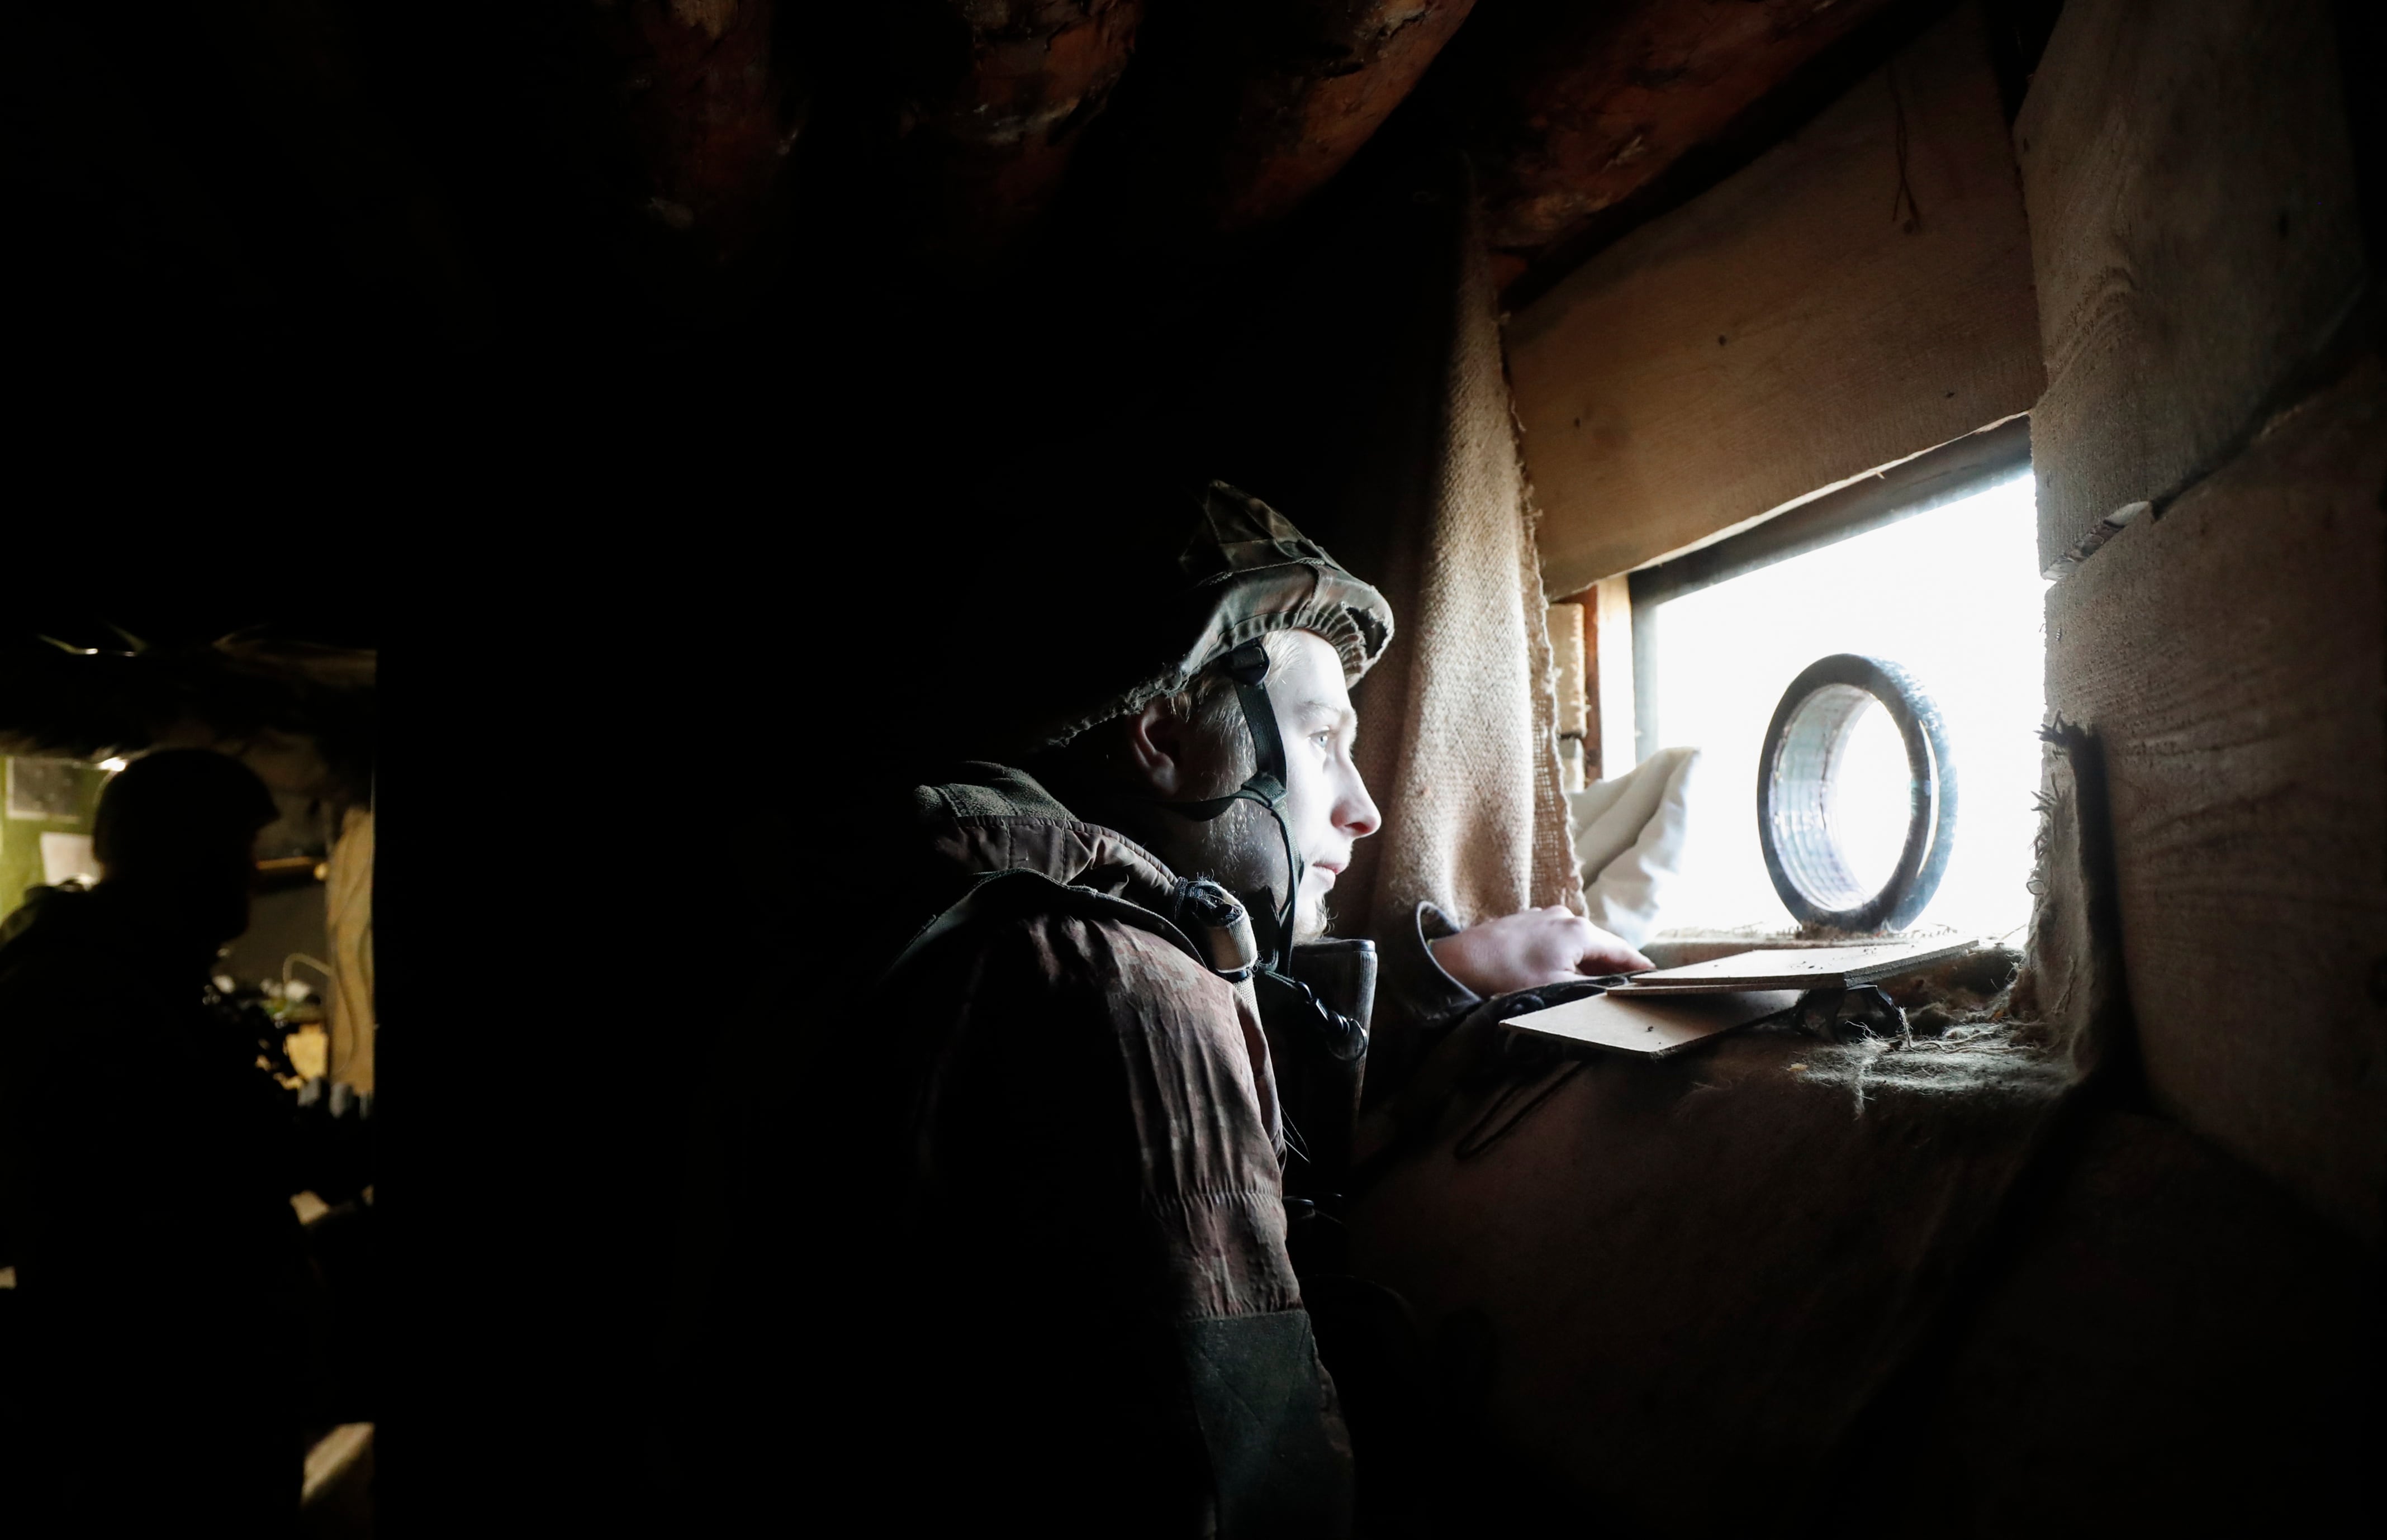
(1803, 746)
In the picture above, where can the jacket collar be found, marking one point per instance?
(997, 819)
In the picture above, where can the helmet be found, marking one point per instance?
(1136, 583)
(1185, 573)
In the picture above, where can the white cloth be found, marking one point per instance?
(1630, 835)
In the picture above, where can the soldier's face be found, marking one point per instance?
(1325, 800)
(1327, 805)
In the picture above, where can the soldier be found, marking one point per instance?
(145, 1173)
(1097, 1327)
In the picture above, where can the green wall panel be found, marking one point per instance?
(20, 839)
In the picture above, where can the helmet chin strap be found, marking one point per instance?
(1281, 997)
(1247, 665)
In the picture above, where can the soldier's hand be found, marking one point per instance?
(1526, 951)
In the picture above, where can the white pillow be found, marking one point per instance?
(1630, 835)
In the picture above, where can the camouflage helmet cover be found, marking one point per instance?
(1241, 572)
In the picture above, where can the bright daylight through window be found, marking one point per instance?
(1953, 596)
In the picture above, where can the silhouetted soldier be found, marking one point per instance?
(144, 1169)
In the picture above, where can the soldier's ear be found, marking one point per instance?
(1155, 750)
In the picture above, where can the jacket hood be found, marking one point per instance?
(999, 820)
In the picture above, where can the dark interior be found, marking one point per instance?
(634, 372)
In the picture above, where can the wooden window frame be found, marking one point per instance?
(1933, 479)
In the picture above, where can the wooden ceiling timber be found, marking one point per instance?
(1571, 110)
(996, 96)
(1230, 115)
(705, 102)
(1236, 112)
(1318, 79)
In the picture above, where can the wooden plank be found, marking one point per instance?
(2232, 658)
(1568, 662)
(1611, 635)
(2197, 232)
(1789, 330)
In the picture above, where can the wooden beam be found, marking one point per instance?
(1612, 617)
(1570, 676)
(1323, 78)
(2230, 657)
(1572, 109)
(997, 99)
(1238, 110)
(703, 99)
(2191, 183)
(1860, 294)
(348, 933)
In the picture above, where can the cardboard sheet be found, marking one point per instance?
(1811, 968)
(1631, 1025)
